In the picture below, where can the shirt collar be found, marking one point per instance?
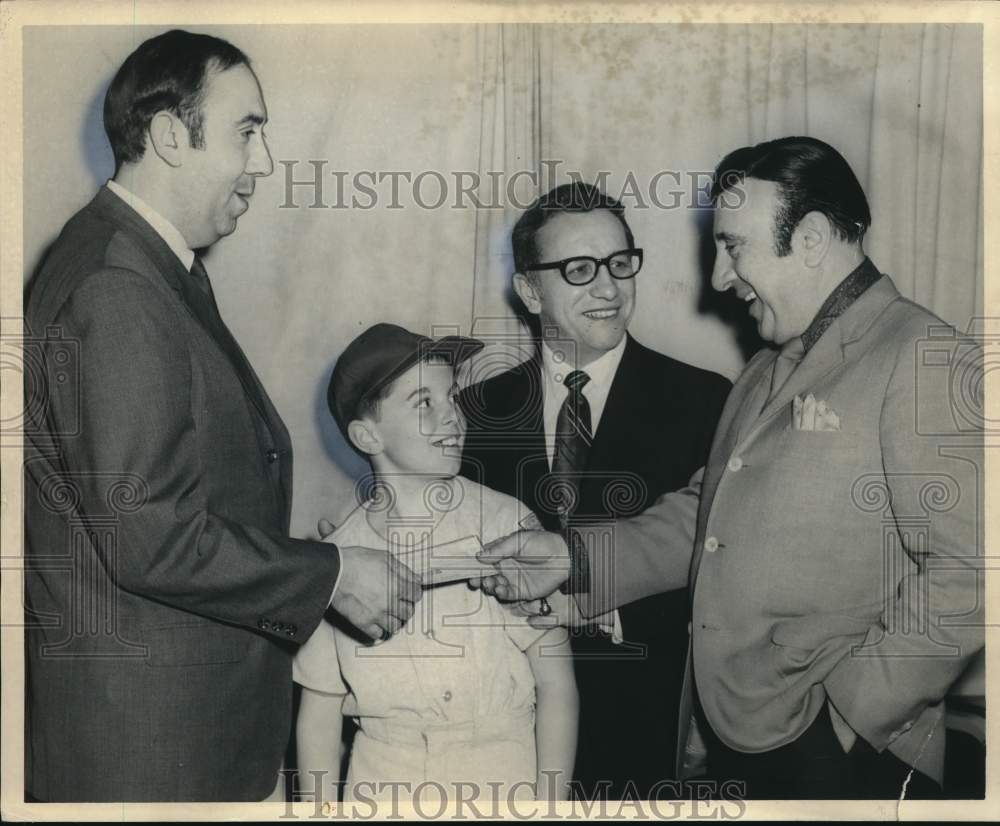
(843, 296)
(601, 370)
(161, 226)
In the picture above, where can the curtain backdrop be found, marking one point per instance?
(499, 112)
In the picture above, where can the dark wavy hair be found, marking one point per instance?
(810, 175)
(572, 197)
(166, 73)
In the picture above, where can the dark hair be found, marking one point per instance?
(166, 73)
(811, 176)
(371, 403)
(573, 197)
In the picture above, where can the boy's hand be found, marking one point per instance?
(376, 592)
(531, 564)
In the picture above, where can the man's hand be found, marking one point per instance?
(324, 528)
(562, 611)
(531, 564)
(376, 592)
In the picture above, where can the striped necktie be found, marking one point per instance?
(572, 443)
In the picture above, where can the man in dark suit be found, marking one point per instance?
(164, 596)
(651, 421)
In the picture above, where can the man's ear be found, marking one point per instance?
(528, 293)
(365, 437)
(168, 136)
(812, 237)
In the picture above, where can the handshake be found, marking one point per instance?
(378, 592)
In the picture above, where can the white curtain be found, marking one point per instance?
(902, 103)
(640, 104)
(509, 144)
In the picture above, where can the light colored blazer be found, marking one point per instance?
(828, 565)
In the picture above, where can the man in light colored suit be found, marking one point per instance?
(165, 598)
(832, 542)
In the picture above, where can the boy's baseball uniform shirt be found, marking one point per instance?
(450, 698)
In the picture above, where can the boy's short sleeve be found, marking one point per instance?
(517, 628)
(316, 665)
(503, 515)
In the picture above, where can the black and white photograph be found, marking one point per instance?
(502, 411)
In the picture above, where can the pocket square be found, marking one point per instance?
(809, 414)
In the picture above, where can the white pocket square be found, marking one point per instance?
(809, 414)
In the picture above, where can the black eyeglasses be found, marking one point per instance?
(582, 269)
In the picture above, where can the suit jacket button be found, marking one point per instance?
(272, 456)
(735, 463)
(711, 545)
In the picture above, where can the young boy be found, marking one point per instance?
(466, 699)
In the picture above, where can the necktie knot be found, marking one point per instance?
(576, 381)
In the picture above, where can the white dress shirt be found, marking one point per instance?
(555, 367)
(161, 226)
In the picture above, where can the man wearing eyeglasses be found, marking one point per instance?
(596, 425)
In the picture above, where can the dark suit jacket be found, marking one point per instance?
(655, 431)
(164, 595)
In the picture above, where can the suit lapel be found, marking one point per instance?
(739, 425)
(169, 267)
(173, 273)
(619, 418)
(743, 421)
(826, 355)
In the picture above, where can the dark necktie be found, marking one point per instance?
(572, 443)
(202, 300)
(200, 276)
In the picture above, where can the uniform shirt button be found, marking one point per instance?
(711, 545)
(272, 456)
(263, 625)
(446, 696)
(291, 630)
(735, 463)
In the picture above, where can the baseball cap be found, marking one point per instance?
(381, 354)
